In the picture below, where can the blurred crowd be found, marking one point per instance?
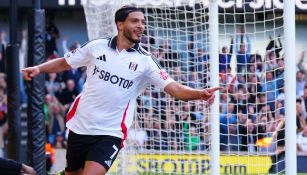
(252, 104)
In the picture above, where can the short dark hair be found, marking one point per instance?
(122, 13)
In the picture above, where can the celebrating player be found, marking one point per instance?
(118, 70)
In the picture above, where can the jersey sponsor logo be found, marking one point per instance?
(114, 79)
(163, 74)
(102, 58)
(133, 66)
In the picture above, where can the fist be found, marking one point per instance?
(30, 72)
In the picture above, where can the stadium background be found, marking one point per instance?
(71, 25)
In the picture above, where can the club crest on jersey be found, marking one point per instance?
(133, 66)
(163, 74)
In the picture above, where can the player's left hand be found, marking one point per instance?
(208, 94)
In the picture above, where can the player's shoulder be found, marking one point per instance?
(98, 41)
(145, 54)
(149, 57)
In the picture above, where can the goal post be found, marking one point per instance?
(214, 74)
(244, 46)
(290, 85)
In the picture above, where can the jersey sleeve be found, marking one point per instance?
(80, 56)
(156, 74)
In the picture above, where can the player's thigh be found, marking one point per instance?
(77, 149)
(104, 151)
(94, 168)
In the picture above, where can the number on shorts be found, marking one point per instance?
(116, 150)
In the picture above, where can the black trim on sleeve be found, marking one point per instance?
(141, 50)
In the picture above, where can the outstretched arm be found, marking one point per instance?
(56, 65)
(186, 93)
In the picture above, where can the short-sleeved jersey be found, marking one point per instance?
(114, 80)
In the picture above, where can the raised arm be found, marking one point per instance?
(231, 46)
(53, 66)
(249, 44)
(186, 93)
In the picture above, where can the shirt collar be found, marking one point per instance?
(113, 45)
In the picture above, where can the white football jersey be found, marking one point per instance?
(114, 80)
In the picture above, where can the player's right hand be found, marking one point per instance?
(30, 72)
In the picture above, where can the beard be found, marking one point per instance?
(128, 35)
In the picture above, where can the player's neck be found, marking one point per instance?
(123, 43)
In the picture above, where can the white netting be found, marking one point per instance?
(171, 136)
(252, 70)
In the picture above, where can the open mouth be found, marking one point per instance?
(138, 33)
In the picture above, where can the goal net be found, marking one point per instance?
(172, 136)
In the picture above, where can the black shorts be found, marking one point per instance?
(102, 149)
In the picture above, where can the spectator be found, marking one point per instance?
(169, 136)
(260, 66)
(302, 64)
(243, 53)
(22, 64)
(72, 47)
(279, 72)
(300, 83)
(202, 66)
(272, 46)
(223, 102)
(57, 115)
(225, 120)
(154, 134)
(191, 57)
(53, 85)
(51, 35)
(60, 142)
(146, 99)
(278, 163)
(3, 51)
(302, 141)
(3, 113)
(68, 94)
(48, 102)
(148, 41)
(167, 58)
(194, 82)
(72, 74)
(233, 138)
(300, 115)
(271, 62)
(305, 98)
(270, 88)
(192, 139)
(263, 123)
(225, 57)
(248, 136)
(3, 133)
